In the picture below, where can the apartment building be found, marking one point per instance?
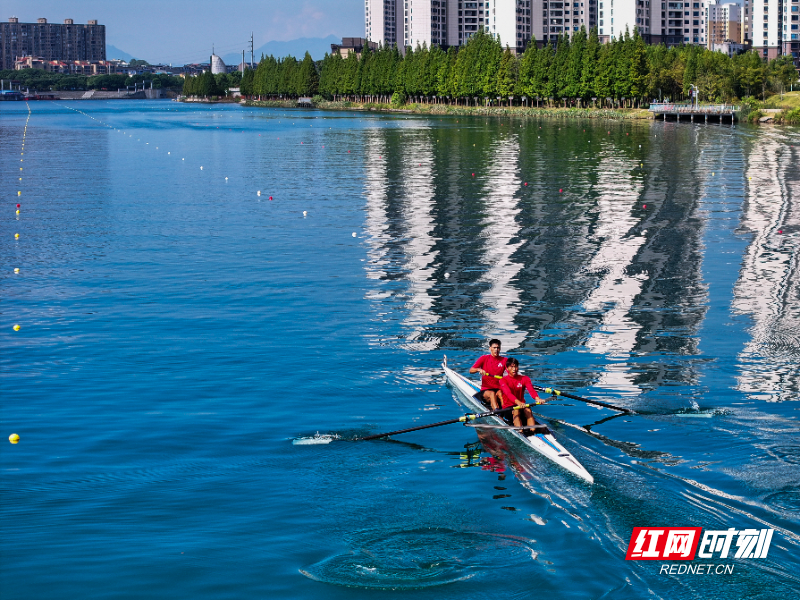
(775, 27)
(51, 41)
(445, 23)
(723, 23)
(381, 21)
(670, 23)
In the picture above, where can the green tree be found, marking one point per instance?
(308, 77)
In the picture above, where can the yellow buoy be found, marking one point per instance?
(17, 211)
(13, 438)
(16, 328)
(16, 236)
(16, 269)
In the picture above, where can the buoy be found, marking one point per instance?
(712, 174)
(526, 183)
(13, 438)
(16, 328)
(560, 191)
(473, 174)
(201, 168)
(16, 270)
(16, 235)
(168, 152)
(226, 179)
(17, 211)
(183, 159)
(354, 234)
(258, 193)
(270, 197)
(19, 193)
(446, 275)
(304, 213)
(780, 230)
(644, 206)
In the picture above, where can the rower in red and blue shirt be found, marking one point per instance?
(512, 392)
(491, 367)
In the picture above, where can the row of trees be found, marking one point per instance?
(207, 84)
(572, 71)
(37, 79)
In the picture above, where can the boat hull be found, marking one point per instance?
(543, 443)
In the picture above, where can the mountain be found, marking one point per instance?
(317, 47)
(113, 52)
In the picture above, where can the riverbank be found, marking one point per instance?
(445, 109)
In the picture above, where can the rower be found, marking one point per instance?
(491, 367)
(512, 392)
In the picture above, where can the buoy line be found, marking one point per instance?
(14, 438)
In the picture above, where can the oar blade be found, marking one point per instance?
(315, 440)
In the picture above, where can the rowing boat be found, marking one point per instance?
(542, 442)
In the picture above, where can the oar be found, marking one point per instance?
(572, 397)
(327, 439)
(464, 419)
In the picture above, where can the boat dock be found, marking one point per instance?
(710, 113)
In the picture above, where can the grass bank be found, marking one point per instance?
(443, 109)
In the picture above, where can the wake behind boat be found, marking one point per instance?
(542, 442)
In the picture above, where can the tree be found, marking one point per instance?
(507, 75)
(308, 78)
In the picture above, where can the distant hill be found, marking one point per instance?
(113, 52)
(317, 47)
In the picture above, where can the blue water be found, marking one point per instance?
(178, 331)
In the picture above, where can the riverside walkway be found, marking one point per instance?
(714, 113)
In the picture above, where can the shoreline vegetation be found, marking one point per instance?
(576, 76)
(453, 110)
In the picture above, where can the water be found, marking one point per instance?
(178, 331)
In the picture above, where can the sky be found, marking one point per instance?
(182, 31)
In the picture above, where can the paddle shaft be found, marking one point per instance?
(572, 397)
(464, 419)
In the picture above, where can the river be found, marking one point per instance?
(199, 285)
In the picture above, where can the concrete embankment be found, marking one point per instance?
(153, 94)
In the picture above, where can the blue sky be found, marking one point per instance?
(181, 31)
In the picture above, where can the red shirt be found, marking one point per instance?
(493, 366)
(513, 388)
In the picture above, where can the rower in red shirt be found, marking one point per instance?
(512, 392)
(491, 367)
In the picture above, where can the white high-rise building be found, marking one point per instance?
(775, 27)
(667, 22)
(723, 23)
(424, 22)
(559, 18)
(381, 21)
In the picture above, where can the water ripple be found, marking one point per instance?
(404, 559)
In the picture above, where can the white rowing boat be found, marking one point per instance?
(543, 443)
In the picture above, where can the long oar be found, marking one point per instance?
(464, 419)
(573, 397)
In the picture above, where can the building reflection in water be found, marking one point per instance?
(457, 259)
(417, 213)
(768, 288)
(617, 193)
(502, 238)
